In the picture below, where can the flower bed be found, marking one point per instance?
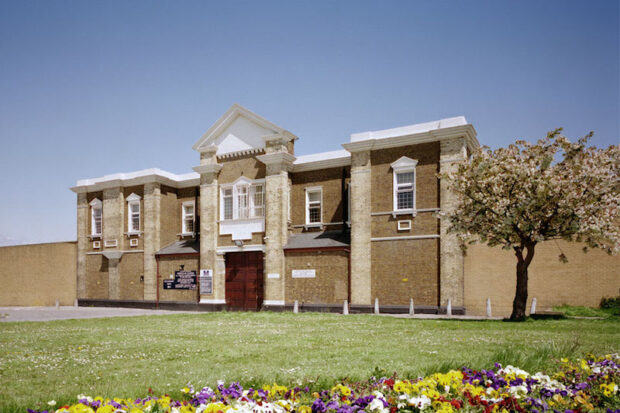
(587, 385)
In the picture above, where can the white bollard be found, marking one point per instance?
(75, 304)
(296, 307)
(489, 307)
(57, 304)
(345, 308)
(411, 307)
(449, 307)
(533, 308)
(376, 306)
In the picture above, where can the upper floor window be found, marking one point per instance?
(404, 184)
(188, 217)
(133, 213)
(244, 199)
(314, 201)
(96, 217)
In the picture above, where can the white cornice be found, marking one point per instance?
(136, 179)
(384, 141)
(322, 160)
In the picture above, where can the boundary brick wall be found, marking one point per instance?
(38, 274)
(584, 280)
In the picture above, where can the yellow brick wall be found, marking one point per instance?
(167, 267)
(96, 277)
(331, 182)
(38, 274)
(331, 283)
(405, 269)
(131, 269)
(584, 280)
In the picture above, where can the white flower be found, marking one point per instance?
(420, 402)
(51, 403)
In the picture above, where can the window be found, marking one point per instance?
(314, 199)
(96, 222)
(133, 214)
(227, 196)
(404, 190)
(188, 217)
(243, 200)
(404, 184)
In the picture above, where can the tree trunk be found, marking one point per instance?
(520, 301)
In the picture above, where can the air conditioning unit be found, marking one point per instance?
(404, 225)
(133, 242)
(96, 245)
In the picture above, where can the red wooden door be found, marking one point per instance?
(244, 280)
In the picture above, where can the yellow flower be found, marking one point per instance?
(106, 409)
(304, 409)
(187, 409)
(216, 407)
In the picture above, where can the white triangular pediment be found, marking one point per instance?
(404, 163)
(238, 130)
(133, 197)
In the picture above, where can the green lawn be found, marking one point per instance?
(125, 356)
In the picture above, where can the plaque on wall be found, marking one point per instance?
(183, 280)
(304, 273)
(206, 281)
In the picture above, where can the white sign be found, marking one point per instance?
(273, 275)
(304, 273)
(206, 281)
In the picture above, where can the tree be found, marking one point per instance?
(526, 193)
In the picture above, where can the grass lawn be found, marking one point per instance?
(125, 356)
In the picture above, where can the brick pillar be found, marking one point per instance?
(209, 195)
(451, 270)
(113, 220)
(276, 219)
(82, 242)
(152, 241)
(361, 281)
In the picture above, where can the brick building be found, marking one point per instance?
(263, 228)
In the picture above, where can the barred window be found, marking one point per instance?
(242, 201)
(227, 197)
(134, 216)
(404, 185)
(314, 199)
(97, 221)
(188, 217)
(258, 201)
(404, 190)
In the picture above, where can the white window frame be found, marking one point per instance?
(237, 188)
(132, 200)
(308, 190)
(401, 166)
(184, 216)
(95, 204)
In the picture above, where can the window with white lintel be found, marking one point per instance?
(244, 199)
(133, 214)
(96, 218)
(404, 187)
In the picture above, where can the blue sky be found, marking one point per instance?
(92, 88)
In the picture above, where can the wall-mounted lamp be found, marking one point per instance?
(239, 243)
(181, 267)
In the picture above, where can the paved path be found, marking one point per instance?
(65, 313)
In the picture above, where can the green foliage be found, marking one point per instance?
(579, 311)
